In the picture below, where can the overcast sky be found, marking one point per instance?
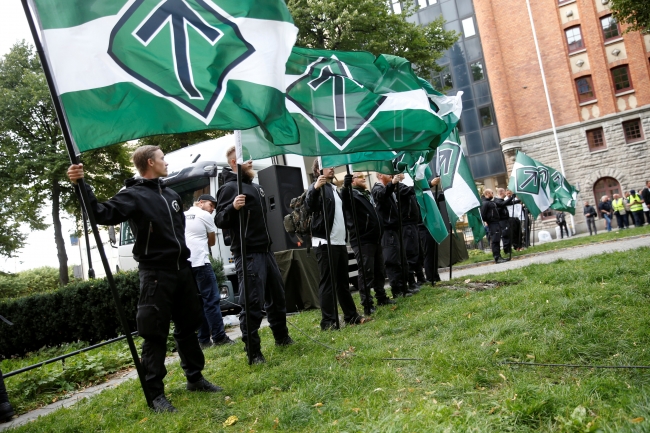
(40, 249)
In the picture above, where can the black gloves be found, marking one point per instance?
(347, 181)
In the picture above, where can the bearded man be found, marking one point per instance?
(266, 290)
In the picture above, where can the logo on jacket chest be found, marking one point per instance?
(176, 206)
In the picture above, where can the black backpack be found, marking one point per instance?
(298, 221)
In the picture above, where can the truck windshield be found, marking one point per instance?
(189, 190)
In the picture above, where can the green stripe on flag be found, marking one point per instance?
(57, 14)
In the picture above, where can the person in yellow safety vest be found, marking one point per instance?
(636, 208)
(619, 210)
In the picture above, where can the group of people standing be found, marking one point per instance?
(632, 208)
(503, 223)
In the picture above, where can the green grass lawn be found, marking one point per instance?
(477, 256)
(591, 311)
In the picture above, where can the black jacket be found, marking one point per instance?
(489, 211)
(502, 207)
(227, 217)
(589, 211)
(605, 207)
(314, 206)
(645, 193)
(369, 223)
(155, 214)
(386, 205)
(410, 207)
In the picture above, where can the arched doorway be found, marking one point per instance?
(606, 186)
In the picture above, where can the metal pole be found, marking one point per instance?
(244, 265)
(548, 99)
(84, 199)
(451, 246)
(366, 289)
(329, 253)
(512, 205)
(91, 271)
(435, 248)
(402, 253)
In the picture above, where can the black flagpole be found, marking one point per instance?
(82, 194)
(435, 246)
(402, 253)
(329, 252)
(451, 245)
(244, 264)
(510, 228)
(91, 271)
(360, 267)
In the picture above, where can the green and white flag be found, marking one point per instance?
(125, 69)
(456, 179)
(530, 181)
(354, 102)
(564, 194)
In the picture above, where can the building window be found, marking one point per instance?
(596, 139)
(606, 186)
(397, 6)
(442, 81)
(485, 113)
(477, 71)
(633, 131)
(562, 1)
(610, 28)
(621, 78)
(574, 39)
(585, 89)
(468, 27)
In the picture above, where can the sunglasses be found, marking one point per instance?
(359, 177)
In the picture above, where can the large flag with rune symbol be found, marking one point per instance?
(540, 186)
(456, 179)
(125, 69)
(353, 102)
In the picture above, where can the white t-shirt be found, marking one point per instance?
(515, 211)
(337, 236)
(198, 223)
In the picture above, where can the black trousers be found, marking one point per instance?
(495, 238)
(392, 261)
(341, 282)
(638, 218)
(265, 292)
(411, 236)
(371, 273)
(563, 228)
(505, 235)
(621, 220)
(591, 224)
(4, 398)
(430, 257)
(169, 295)
(516, 233)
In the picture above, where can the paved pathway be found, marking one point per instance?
(574, 253)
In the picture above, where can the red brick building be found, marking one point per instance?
(598, 80)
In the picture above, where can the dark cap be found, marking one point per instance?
(207, 197)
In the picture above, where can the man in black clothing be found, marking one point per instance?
(490, 214)
(371, 270)
(590, 215)
(6, 411)
(265, 287)
(167, 287)
(560, 220)
(502, 203)
(411, 217)
(334, 223)
(428, 243)
(383, 194)
(645, 195)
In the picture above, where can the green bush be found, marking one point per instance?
(81, 311)
(217, 267)
(39, 280)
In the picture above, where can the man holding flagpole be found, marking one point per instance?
(167, 287)
(266, 290)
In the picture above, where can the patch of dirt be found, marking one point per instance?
(472, 286)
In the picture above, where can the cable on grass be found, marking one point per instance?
(540, 364)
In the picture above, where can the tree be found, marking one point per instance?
(635, 13)
(34, 158)
(368, 25)
(169, 143)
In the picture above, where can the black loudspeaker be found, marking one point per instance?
(280, 183)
